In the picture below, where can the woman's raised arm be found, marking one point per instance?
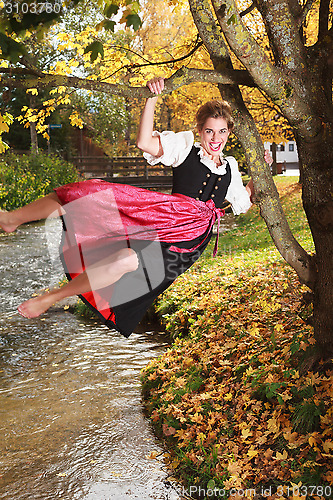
(145, 139)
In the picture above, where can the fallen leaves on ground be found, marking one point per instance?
(231, 396)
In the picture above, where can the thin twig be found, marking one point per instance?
(248, 10)
(198, 44)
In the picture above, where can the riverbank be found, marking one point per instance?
(232, 396)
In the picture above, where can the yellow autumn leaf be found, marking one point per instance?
(200, 437)
(254, 332)
(198, 418)
(273, 425)
(327, 446)
(175, 463)
(282, 456)
(313, 439)
(32, 91)
(249, 371)
(76, 120)
(246, 433)
(3, 126)
(252, 452)
(61, 67)
(62, 36)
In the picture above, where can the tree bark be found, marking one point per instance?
(33, 131)
(317, 176)
(33, 138)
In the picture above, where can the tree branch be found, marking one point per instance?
(286, 89)
(197, 45)
(324, 12)
(245, 46)
(208, 29)
(181, 77)
(284, 33)
(248, 10)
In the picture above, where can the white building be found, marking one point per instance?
(285, 151)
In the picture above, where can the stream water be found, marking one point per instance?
(72, 425)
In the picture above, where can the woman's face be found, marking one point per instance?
(213, 136)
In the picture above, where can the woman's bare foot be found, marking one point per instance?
(7, 222)
(33, 308)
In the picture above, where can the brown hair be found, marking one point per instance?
(214, 109)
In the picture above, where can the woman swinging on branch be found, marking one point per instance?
(122, 246)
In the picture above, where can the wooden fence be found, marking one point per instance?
(132, 170)
(123, 166)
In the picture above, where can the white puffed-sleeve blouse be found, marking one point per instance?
(176, 147)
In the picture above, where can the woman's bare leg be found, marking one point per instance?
(101, 275)
(37, 210)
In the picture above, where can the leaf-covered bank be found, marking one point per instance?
(233, 396)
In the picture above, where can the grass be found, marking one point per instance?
(230, 396)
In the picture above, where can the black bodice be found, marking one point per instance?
(192, 178)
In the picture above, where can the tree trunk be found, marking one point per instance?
(265, 190)
(33, 131)
(317, 175)
(33, 138)
(274, 166)
(128, 126)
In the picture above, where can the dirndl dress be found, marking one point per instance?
(168, 232)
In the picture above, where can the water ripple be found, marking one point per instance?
(72, 423)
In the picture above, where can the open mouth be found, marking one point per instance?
(215, 146)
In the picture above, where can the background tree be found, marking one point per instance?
(283, 50)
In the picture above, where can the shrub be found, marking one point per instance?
(25, 178)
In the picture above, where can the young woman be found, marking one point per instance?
(122, 246)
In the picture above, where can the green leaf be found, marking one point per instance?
(109, 25)
(111, 10)
(30, 20)
(135, 7)
(133, 20)
(232, 19)
(211, 484)
(11, 50)
(95, 48)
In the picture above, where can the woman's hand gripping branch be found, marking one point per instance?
(146, 141)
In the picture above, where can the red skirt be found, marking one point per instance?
(167, 231)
